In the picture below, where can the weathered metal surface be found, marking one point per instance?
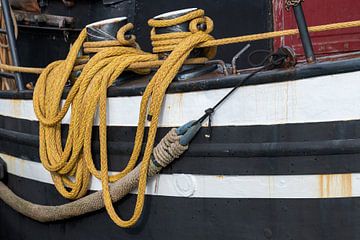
(319, 12)
(51, 20)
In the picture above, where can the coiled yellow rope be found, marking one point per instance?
(89, 92)
(72, 165)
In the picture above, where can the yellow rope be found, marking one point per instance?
(153, 96)
(11, 68)
(72, 165)
(262, 36)
(75, 159)
(89, 92)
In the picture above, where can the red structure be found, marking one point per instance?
(319, 12)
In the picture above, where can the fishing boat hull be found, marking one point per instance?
(281, 162)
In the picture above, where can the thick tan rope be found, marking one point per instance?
(94, 201)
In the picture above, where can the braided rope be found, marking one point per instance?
(89, 92)
(168, 149)
(168, 41)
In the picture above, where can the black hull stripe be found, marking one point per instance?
(292, 132)
(311, 148)
(190, 218)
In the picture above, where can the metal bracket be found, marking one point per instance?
(290, 60)
(237, 55)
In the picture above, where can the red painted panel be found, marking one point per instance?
(319, 12)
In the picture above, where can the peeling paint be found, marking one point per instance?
(335, 185)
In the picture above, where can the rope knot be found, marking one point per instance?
(124, 37)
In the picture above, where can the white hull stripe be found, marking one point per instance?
(318, 99)
(208, 186)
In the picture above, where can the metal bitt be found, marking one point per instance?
(12, 41)
(303, 29)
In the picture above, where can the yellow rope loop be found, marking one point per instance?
(71, 166)
(208, 26)
(121, 35)
(195, 23)
(168, 41)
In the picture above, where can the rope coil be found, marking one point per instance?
(88, 92)
(74, 160)
(166, 42)
(121, 40)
